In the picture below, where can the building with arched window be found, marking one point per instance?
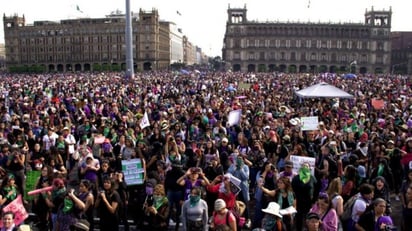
(308, 47)
(94, 44)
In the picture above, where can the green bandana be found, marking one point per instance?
(11, 196)
(304, 174)
(58, 192)
(68, 205)
(157, 201)
(380, 169)
(194, 200)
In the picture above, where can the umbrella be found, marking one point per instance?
(349, 76)
(185, 72)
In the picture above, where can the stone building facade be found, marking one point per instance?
(308, 47)
(90, 44)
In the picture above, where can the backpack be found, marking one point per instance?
(240, 221)
(348, 207)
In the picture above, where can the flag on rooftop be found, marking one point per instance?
(78, 9)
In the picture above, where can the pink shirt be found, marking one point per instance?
(330, 221)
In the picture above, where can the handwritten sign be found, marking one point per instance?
(17, 207)
(299, 160)
(133, 171)
(309, 123)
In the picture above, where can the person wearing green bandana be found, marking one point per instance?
(8, 190)
(195, 212)
(156, 210)
(303, 185)
(68, 212)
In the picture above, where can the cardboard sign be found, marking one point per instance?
(309, 123)
(133, 171)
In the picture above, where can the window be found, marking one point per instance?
(313, 57)
(339, 44)
(308, 43)
(298, 43)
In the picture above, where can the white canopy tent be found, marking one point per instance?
(323, 90)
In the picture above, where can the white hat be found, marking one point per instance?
(220, 204)
(294, 121)
(273, 208)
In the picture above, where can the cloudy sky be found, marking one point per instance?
(203, 21)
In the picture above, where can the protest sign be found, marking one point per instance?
(31, 180)
(17, 207)
(299, 160)
(309, 123)
(133, 171)
(378, 104)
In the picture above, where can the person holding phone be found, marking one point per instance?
(194, 177)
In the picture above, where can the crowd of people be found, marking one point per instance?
(202, 171)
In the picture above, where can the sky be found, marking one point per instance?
(204, 21)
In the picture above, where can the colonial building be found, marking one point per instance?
(2, 57)
(308, 47)
(401, 52)
(92, 44)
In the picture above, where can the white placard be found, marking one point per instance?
(309, 123)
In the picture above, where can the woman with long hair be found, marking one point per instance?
(328, 217)
(86, 195)
(39, 203)
(349, 182)
(8, 190)
(334, 192)
(284, 197)
(107, 204)
(265, 178)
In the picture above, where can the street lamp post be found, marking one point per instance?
(129, 44)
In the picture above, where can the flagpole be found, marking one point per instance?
(129, 43)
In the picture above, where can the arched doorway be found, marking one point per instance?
(333, 69)
(262, 68)
(282, 68)
(251, 68)
(60, 67)
(323, 69)
(378, 70)
(272, 67)
(342, 69)
(363, 70)
(236, 67)
(87, 67)
(313, 68)
(303, 69)
(69, 67)
(78, 67)
(51, 67)
(147, 66)
(292, 69)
